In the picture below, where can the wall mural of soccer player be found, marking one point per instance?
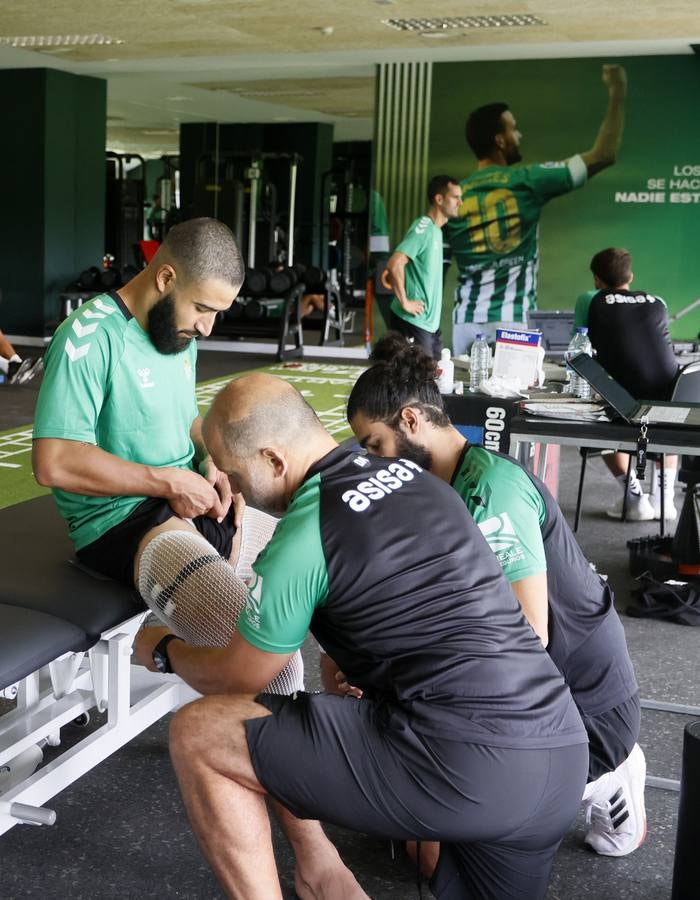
(495, 240)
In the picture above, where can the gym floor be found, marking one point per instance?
(122, 831)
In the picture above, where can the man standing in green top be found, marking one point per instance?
(495, 240)
(414, 270)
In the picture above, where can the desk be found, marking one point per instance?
(605, 435)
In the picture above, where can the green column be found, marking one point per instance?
(53, 206)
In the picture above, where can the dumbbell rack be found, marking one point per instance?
(287, 328)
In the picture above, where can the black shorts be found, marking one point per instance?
(611, 736)
(113, 553)
(431, 342)
(499, 813)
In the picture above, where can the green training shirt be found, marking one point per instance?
(106, 384)
(495, 239)
(409, 622)
(583, 303)
(422, 244)
(508, 509)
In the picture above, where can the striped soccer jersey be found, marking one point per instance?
(495, 239)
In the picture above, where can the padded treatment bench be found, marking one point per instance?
(65, 646)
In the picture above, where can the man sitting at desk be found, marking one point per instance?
(629, 332)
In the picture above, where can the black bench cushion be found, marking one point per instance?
(31, 639)
(39, 572)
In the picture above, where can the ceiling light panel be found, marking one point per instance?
(48, 41)
(421, 26)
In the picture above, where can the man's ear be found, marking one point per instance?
(410, 419)
(631, 278)
(165, 278)
(277, 460)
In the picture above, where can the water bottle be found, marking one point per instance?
(446, 372)
(480, 361)
(580, 343)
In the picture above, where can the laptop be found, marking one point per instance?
(556, 327)
(654, 412)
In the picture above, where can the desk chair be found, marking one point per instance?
(685, 390)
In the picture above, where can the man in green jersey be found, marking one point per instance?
(495, 240)
(395, 408)
(414, 270)
(117, 432)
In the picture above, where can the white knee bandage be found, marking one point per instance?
(198, 595)
(256, 530)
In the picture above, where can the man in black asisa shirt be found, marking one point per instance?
(629, 332)
(465, 733)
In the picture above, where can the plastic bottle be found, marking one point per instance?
(580, 343)
(446, 372)
(480, 362)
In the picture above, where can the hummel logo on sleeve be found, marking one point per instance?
(82, 330)
(102, 306)
(74, 352)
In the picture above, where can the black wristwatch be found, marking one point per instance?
(161, 659)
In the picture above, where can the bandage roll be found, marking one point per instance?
(199, 596)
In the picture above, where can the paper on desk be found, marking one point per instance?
(569, 409)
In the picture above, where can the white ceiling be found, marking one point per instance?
(270, 60)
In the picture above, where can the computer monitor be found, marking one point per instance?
(556, 327)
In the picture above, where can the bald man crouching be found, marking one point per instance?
(465, 733)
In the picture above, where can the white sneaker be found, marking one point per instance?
(670, 511)
(639, 509)
(615, 808)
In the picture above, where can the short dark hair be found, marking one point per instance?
(203, 248)
(613, 266)
(403, 374)
(438, 184)
(482, 127)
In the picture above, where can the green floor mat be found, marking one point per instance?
(326, 387)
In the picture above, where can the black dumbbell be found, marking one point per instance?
(281, 280)
(89, 278)
(264, 308)
(109, 278)
(235, 310)
(255, 282)
(314, 277)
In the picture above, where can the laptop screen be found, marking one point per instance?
(604, 384)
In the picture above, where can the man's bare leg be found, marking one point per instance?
(320, 873)
(429, 855)
(226, 806)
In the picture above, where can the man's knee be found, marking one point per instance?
(211, 732)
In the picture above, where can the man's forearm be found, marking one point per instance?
(399, 283)
(88, 470)
(223, 670)
(200, 449)
(604, 151)
(607, 144)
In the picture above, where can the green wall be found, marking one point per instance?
(52, 223)
(558, 105)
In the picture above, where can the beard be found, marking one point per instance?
(513, 156)
(417, 453)
(162, 328)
